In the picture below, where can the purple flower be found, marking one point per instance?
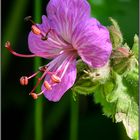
(67, 32)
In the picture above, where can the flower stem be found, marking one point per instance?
(37, 63)
(74, 119)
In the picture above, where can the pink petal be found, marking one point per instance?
(92, 41)
(66, 83)
(64, 15)
(51, 47)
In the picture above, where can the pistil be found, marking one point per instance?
(8, 46)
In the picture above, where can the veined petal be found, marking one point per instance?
(67, 82)
(51, 47)
(64, 15)
(92, 41)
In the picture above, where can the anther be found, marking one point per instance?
(34, 95)
(47, 85)
(29, 18)
(55, 79)
(24, 80)
(43, 68)
(35, 30)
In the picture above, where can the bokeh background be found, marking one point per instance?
(26, 119)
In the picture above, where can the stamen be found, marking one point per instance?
(35, 96)
(50, 66)
(64, 66)
(47, 85)
(35, 30)
(43, 68)
(39, 80)
(55, 79)
(24, 79)
(29, 18)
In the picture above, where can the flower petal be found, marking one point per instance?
(64, 15)
(49, 48)
(66, 82)
(92, 41)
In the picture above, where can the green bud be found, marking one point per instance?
(123, 60)
(115, 34)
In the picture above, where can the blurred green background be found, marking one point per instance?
(65, 120)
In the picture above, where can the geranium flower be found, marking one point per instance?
(67, 32)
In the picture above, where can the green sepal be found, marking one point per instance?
(84, 86)
(115, 34)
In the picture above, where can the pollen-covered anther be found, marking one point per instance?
(55, 79)
(47, 85)
(34, 95)
(24, 80)
(35, 30)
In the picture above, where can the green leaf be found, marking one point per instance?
(118, 103)
(130, 120)
(99, 97)
(130, 80)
